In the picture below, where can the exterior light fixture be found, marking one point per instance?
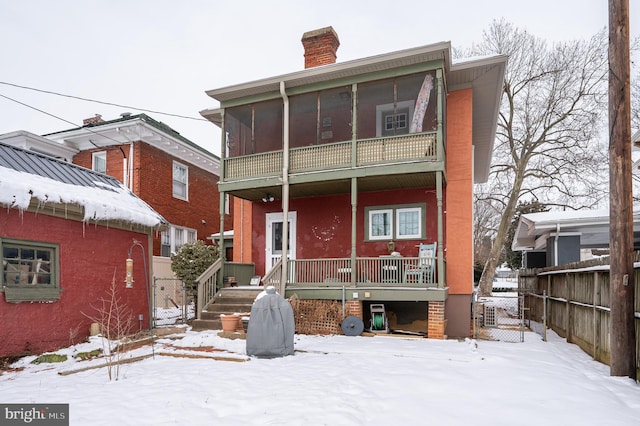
(268, 198)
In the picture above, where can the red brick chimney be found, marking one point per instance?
(92, 121)
(320, 47)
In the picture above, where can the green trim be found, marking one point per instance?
(374, 294)
(394, 208)
(32, 292)
(339, 82)
(37, 294)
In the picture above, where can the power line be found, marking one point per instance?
(98, 102)
(59, 118)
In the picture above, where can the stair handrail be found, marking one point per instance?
(274, 278)
(207, 286)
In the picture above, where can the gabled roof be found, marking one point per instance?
(484, 75)
(592, 225)
(27, 176)
(139, 127)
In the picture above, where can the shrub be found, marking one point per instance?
(191, 261)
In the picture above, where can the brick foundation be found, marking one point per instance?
(436, 323)
(353, 308)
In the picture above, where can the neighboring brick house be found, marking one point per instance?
(176, 177)
(65, 235)
(363, 158)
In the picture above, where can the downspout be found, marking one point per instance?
(222, 194)
(131, 166)
(125, 174)
(124, 168)
(354, 183)
(439, 180)
(285, 189)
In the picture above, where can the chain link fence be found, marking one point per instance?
(172, 303)
(499, 317)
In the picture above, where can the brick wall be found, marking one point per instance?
(353, 308)
(153, 182)
(90, 258)
(436, 322)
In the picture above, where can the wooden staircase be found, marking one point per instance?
(229, 300)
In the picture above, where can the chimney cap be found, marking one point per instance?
(319, 32)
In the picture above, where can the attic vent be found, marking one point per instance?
(125, 115)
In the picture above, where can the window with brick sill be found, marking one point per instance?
(30, 271)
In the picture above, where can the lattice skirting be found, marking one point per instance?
(316, 316)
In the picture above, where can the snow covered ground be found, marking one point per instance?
(335, 380)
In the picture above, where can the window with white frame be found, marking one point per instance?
(393, 119)
(380, 222)
(174, 237)
(402, 222)
(409, 223)
(180, 181)
(99, 161)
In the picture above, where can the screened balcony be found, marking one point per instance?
(379, 128)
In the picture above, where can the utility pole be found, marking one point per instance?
(622, 332)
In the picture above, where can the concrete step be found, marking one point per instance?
(209, 315)
(243, 291)
(226, 300)
(206, 324)
(229, 300)
(227, 308)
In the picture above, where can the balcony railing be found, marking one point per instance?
(395, 149)
(385, 271)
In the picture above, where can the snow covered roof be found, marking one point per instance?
(27, 176)
(592, 225)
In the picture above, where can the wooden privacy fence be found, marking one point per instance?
(573, 300)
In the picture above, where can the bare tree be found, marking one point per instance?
(116, 321)
(547, 147)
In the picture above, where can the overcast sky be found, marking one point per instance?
(162, 55)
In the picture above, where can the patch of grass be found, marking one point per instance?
(49, 358)
(89, 355)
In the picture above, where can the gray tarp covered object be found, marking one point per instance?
(271, 326)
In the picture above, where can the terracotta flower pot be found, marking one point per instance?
(229, 322)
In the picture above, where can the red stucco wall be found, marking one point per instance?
(324, 225)
(90, 258)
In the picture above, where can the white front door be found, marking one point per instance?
(274, 238)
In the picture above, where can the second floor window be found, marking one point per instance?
(175, 237)
(99, 161)
(180, 181)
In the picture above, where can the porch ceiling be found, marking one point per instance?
(341, 186)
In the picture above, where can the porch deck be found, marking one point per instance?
(373, 278)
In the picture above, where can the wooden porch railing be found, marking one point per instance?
(207, 284)
(274, 277)
(416, 146)
(387, 271)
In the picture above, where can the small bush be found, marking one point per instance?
(191, 261)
